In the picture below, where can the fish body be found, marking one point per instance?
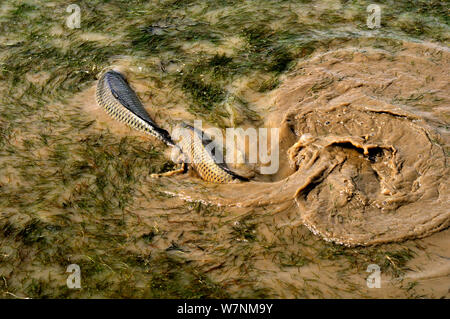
(115, 95)
(196, 148)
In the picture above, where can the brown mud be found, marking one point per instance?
(365, 167)
(363, 160)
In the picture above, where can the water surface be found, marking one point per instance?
(75, 186)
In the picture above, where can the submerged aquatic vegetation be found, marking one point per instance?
(72, 192)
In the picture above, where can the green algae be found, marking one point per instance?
(73, 204)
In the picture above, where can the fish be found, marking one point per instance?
(198, 153)
(115, 95)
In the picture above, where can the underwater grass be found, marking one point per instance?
(68, 188)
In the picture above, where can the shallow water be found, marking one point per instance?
(76, 186)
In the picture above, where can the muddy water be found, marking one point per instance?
(362, 182)
(364, 167)
(363, 161)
